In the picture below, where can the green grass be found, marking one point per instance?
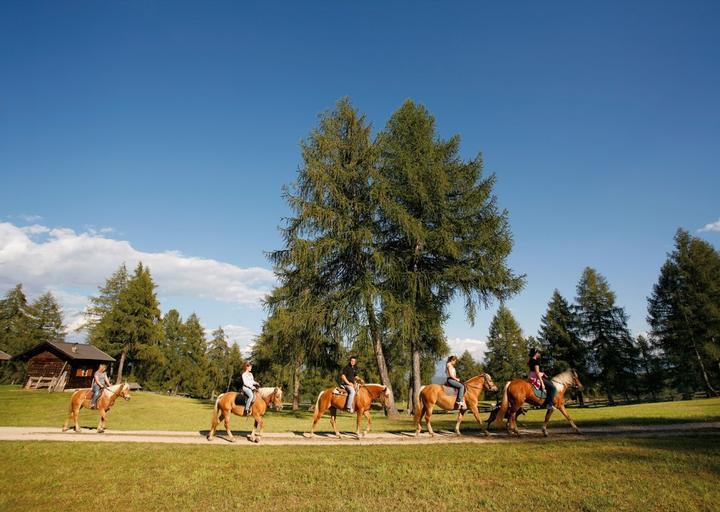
(148, 411)
(678, 473)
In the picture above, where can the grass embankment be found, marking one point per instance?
(680, 473)
(148, 411)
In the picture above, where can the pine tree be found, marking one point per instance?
(173, 347)
(48, 321)
(507, 348)
(17, 333)
(217, 355)
(196, 366)
(561, 345)
(333, 228)
(650, 366)
(684, 313)
(612, 354)
(101, 305)
(468, 367)
(441, 234)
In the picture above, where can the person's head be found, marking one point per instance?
(452, 359)
(248, 366)
(353, 360)
(102, 367)
(534, 353)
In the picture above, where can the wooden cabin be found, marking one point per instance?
(57, 365)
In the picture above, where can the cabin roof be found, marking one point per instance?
(70, 351)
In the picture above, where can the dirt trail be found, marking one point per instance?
(348, 439)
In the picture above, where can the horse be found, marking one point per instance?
(225, 404)
(434, 394)
(82, 398)
(329, 399)
(519, 391)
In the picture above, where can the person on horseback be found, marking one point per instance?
(248, 387)
(100, 382)
(539, 379)
(347, 381)
(454, 382)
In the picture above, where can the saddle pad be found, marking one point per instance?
(240, 399)
(540, 393)
(339, 391)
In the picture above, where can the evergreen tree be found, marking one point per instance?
(132, 329)
(218, 358)
(468, 367)
(333, 228)
(17, 333)
(101, 305)
(612, 354)
(650, 365)
(48, 321)
(507, 354)
(195, 363)
(561, 344)
(235, 365)
(684, 314)
(441, 234)
(172, 375)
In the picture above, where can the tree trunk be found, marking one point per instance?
(390, 407)
(416, 378)
(121, 365)
(409, 410)
(296, 385)
(709, 387)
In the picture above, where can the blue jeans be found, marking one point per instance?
(96, 393)
(551, 392)
(248, 401)
(350, 404)
(459, 386)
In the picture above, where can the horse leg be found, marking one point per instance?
(252, 436)
(359, 418)
(547, 420)
(369, 422)
(512, 421)
(227, 426)
(428, 415)
(101, 423)
(460, 416)
(333, 422)
(564, 412)
(69, 418)
(418, 418)
(476, 415)
(213, 425)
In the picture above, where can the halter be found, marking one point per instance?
(113, 393)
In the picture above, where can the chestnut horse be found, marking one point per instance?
(434, 394)
(82, 398)
(519, 391)
(328, 399)
(225, 404)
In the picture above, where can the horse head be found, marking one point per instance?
(576, 384)
(277, 399)
(489, 384)
(385, 397)
(125, 391)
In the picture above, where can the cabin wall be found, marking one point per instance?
(82, 373)
(45, 364)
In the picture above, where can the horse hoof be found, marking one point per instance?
(486, 433)
(545, 433)
(209, 438)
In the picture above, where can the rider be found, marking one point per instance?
(536, 376)
(454, 382)
(347, 380)
(248, 386)
(100, 381)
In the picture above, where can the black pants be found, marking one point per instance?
(551, 391)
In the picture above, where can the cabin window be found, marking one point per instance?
(83, 372)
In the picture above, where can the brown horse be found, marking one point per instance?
(225, 404)
(329, 399)
(434, 394)
(519, 391)
(82, 398)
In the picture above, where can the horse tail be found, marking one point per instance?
(419, 407)
(216, 410)
(503, 405)
(317, 402)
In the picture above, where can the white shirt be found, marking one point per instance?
(248, 380)
(450, 371)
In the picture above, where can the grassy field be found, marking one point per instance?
(596, 474)
(148, 411)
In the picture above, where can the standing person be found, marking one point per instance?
(248, 387)
(347, 380)
(538, 378)
(100, 382)
(454, 382)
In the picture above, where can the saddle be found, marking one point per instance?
(240, 398)
(341, 391)
(536, 384)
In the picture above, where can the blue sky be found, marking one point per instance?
(164, 131)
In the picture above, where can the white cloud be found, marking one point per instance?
(237, 334)
(59, 258)
(28, 218)
(477, 348)
(713, 226)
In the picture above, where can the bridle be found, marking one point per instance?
(482, 387)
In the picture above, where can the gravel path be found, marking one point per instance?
(349, 439)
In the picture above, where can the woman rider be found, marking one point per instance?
(454, 382)
(100, 381)
(248, 387)
(538, 378)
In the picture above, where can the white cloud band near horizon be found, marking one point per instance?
(713, 226)
(72, 265)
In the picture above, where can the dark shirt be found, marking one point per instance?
(350, 372)
(533, 362)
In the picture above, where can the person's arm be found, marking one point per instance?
(539, 376)
(345, 379)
